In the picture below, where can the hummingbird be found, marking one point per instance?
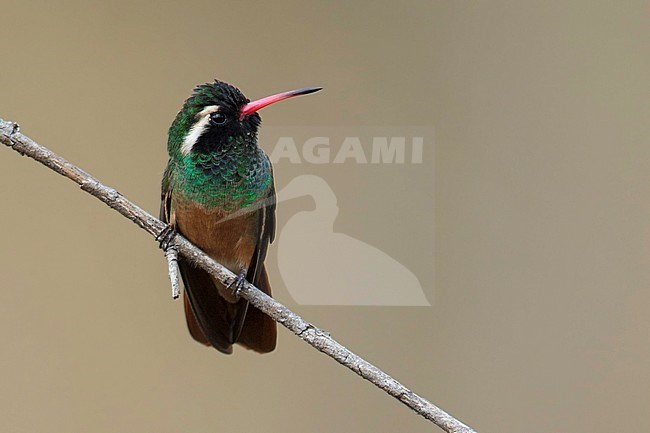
(218, 192)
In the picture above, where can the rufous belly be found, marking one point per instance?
(229, 240)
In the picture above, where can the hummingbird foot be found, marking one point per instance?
(165, 237)
(238, 283)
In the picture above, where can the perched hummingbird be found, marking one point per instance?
(218, 192)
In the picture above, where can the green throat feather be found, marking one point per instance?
(230, 178)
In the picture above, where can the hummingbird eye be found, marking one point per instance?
(218, 119)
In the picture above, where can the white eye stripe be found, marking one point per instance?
(197, 129)
(208, 110)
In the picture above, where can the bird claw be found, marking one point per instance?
(238, 282)
(165, 237)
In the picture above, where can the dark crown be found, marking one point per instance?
(218, 93)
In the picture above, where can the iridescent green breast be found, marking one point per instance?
(229, 178)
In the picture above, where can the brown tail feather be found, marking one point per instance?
(259, 332)
(192, 324)
(211, 316)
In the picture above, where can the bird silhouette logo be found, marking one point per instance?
(322, 267)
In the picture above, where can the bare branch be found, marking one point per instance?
(11, 136)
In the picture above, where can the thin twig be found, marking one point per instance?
(11, 136)
(172, 263)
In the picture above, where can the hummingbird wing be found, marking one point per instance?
(266, 235)
(258, 331)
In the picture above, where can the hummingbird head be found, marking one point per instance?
(216, 114)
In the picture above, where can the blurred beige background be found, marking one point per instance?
(542, 238)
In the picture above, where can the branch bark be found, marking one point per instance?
(10, 136)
